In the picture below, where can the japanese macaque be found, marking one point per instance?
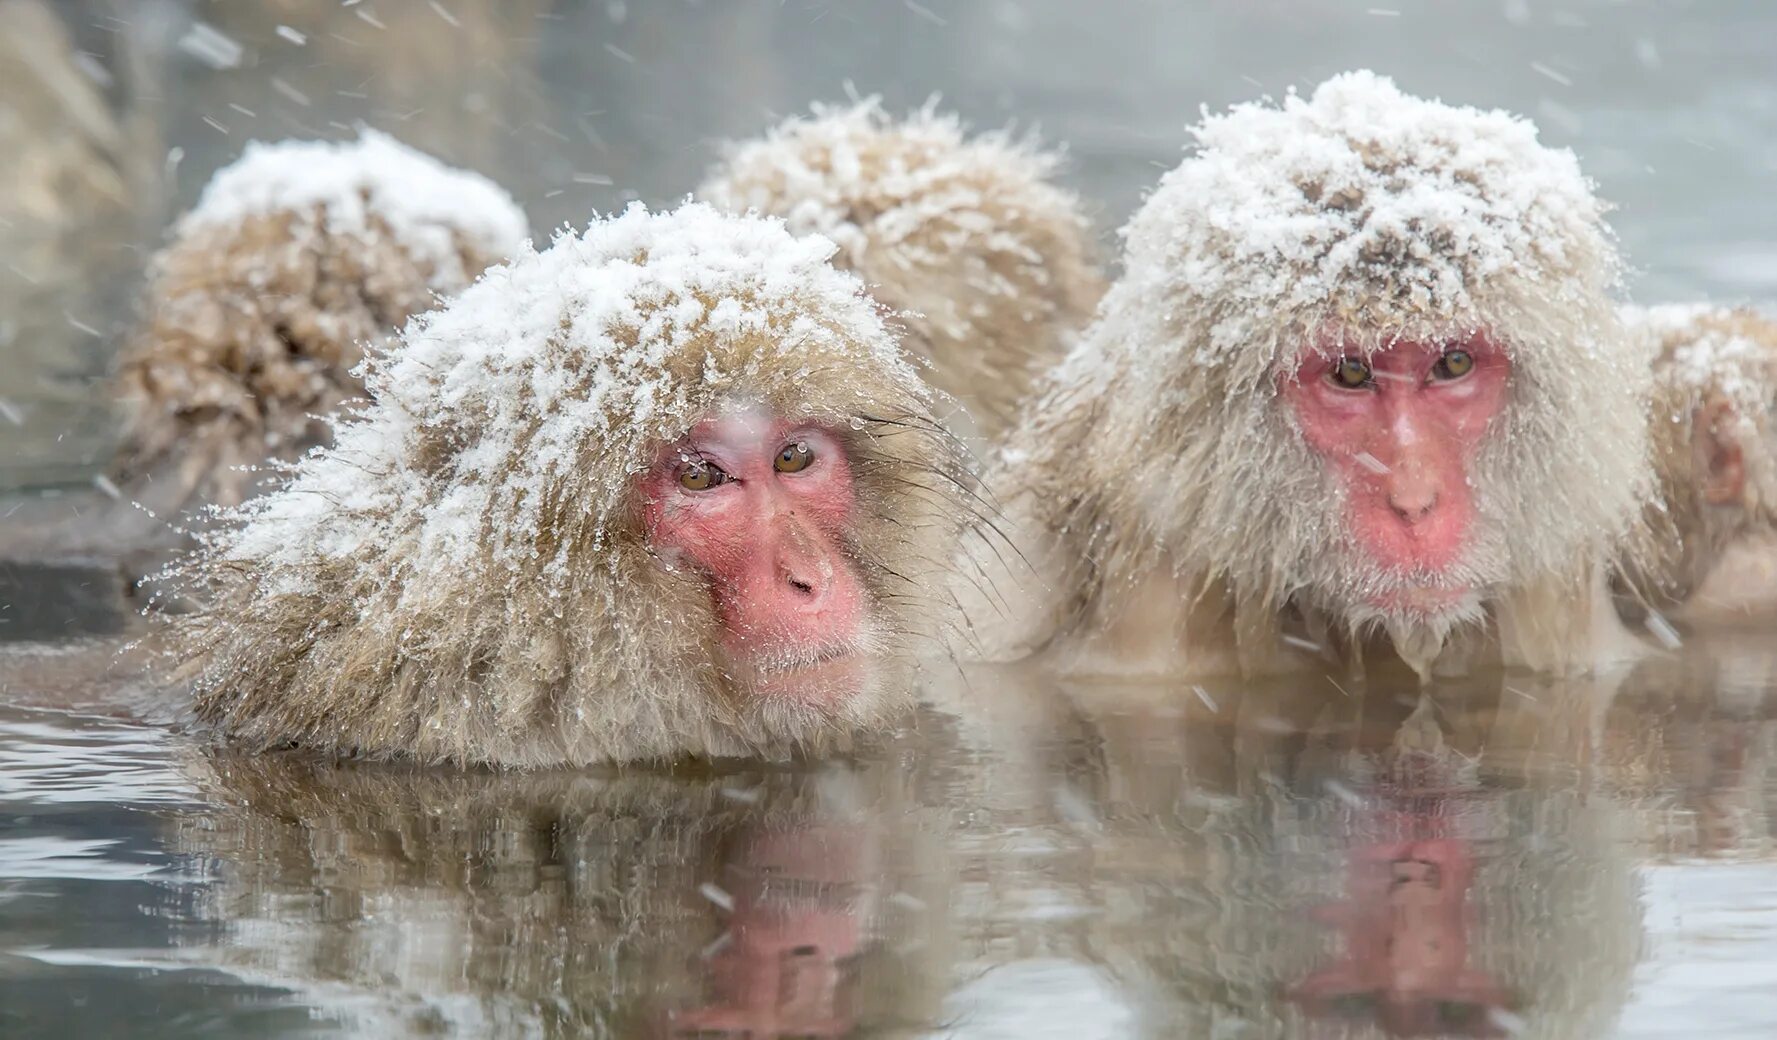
(1715, 454)
(668, 487)
(1360, 384)
(257, 312)
(990, 265)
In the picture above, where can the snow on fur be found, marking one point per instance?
(1342, 221)
(990, 263)
(462, 576)
(1706, 353)
(417, 198)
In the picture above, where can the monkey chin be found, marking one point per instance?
(1418, 619)
(825, 677)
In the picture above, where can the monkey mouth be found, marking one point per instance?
(823, 675)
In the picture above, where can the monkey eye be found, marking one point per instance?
(701, 476)
(793, 458)
(1350, 373)
(1453, 365)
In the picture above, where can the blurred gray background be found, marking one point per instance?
(113, 113)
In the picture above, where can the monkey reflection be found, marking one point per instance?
(1406, 960)
(1471, 877)
(411, 902)
(803, 899)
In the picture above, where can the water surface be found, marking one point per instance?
(1501, 856)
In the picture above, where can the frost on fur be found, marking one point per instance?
(1714, 408)
(1355, 217)
(989, 263)
(296, 255)
(463, 575)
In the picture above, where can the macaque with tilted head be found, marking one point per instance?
(990, 265)
(1715, 454)
(666, 488)
(296, 256)
(1360, 384)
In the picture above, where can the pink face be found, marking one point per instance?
(1401, 428)
(762, 506)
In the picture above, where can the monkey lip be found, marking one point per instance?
(829, 673)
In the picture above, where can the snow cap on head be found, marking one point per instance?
(849, 167)
(553, 369)
(1708, 356)
(989, 264)
(420, 200)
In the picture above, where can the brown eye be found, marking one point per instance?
(1453, 365)
(793, 458)
(1351, 373)
(701, 477)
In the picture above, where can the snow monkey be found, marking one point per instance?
(256, 312)
(1715, 453)
(990, 265)
(1360, 384)
(667, 487)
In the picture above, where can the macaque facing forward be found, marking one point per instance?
(667, 487)
(990, 265)
(296, 256)
(1360, 394)
(1712, 553)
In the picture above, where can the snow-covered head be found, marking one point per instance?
(667, 487)
(1363, 360)
(1715, 440)
(989, 264)
(295, 256)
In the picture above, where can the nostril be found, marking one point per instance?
(802, 586)
(1411, 509)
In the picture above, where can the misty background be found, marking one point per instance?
(114, 113)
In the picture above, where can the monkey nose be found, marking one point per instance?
(1414, 501)
(804, 569)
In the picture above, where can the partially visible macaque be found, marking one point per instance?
(989, 264)
(255, 316)
(1361, 393)
(1715, 454)
(666, 488)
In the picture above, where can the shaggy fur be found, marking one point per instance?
(1356, 217)
(463, 576)
(990, 265)
(1718, 366)
(258, 311)
(255, 314)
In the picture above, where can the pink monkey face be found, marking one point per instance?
(1400, 428)
(763, 507)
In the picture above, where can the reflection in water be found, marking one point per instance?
(418, 902)
(1498, 857)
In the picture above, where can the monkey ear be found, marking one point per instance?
(1721, 460)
